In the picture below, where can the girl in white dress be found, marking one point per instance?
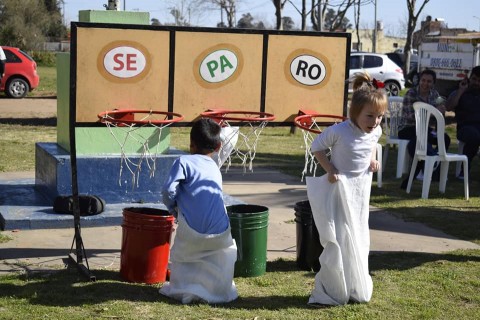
(340, 198)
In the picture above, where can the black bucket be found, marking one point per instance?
(308, 241)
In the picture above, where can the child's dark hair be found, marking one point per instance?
(205, 134)
(367, 91)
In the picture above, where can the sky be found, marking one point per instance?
(392, 13)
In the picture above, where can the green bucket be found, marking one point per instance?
(249, 224)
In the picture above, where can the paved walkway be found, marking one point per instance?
(45, 248)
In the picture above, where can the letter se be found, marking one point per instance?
(124, 62)
(129, 64)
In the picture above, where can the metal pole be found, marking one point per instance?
(375, 30)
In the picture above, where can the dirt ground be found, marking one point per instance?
(27, 108)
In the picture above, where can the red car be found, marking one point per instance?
(21, 75)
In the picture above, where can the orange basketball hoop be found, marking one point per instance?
(121, 117)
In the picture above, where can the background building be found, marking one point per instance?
(385, 43)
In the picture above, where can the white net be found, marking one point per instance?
(310, 161)
(239, 141)
(229, 136)
(139, 141)
(311, 126)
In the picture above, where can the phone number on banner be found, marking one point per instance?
(445, 63)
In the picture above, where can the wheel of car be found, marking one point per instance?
(17, 88)
(392, 88)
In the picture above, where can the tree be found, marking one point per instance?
(24, 23)
(55, 28)
(332, 21)
(411, 24)
(248, 22)
(279, 4)
(226, 6)
(185, 12)
(288, 23)
(337, 20)
(303, 13)
(155, 22)
(356, 15)
(317, 14)
(180, 20)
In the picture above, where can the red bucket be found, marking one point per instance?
(146, 235)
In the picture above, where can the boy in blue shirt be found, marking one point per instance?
(203, 255)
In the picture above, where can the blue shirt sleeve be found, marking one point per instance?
(170, 188)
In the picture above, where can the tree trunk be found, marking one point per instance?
(412, 22)
(278, 13)
(357, 26)
(304, 15)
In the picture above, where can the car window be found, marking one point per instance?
(372, 62)
(26, 55)
(11, 57)
(355, 62)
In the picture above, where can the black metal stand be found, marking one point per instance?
(79, 255)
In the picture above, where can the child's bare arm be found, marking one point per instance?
(374, 164)
(332, 172)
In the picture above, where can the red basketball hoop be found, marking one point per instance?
(245, 124)
(222, 116)
(124, 125)
(122, 117)
(311, 125)
(315, 121)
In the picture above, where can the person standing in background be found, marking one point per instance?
(465, 102)
(3, 60)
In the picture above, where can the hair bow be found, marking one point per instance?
(378, 84)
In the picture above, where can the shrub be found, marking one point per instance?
(43, 58)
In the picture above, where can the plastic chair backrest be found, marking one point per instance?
(423, 113)
(392, 119)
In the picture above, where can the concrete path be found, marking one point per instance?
(45, 249)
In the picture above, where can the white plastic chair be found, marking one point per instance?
(423, 112)
(458, 168)
(391, 122)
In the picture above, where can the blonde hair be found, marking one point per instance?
(366, 91)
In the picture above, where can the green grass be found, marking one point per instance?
(48, 83)
(406, 286)
(4, 238)
(17, 145)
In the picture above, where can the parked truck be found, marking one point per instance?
(451, 57)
